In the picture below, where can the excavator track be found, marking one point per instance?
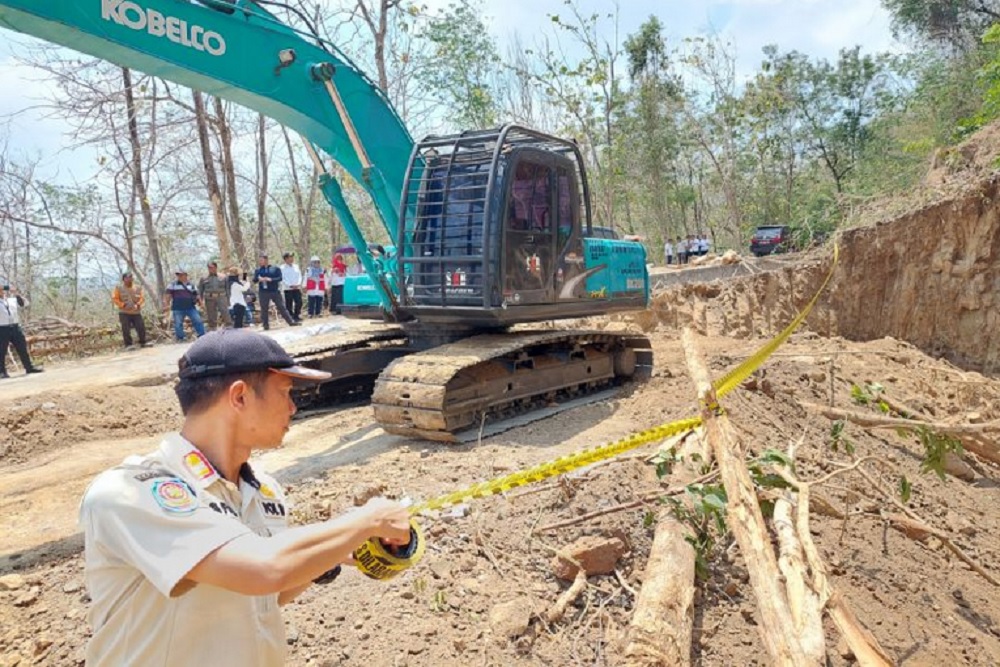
(355, 357)
(437, 393)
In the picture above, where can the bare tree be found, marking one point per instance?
(212, 179)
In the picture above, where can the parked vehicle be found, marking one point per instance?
(771, 239)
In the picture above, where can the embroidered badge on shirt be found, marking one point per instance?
(267, 492)
(174, 495)
(198, 465)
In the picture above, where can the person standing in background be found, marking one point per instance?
(10, 331)
(129, 299)
(668, 252)
(181, 299)
(237, 296)
(214, 295)
(268, 277)
(315, 286)
(291, 283)
(338, 276)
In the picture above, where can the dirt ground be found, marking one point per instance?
(478, 596)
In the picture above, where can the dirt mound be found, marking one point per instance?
(36, 426)
(931, 277)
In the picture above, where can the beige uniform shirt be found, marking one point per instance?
(146, 524)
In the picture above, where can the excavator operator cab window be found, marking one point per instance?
(531, 231)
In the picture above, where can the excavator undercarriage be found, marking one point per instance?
(440, 392)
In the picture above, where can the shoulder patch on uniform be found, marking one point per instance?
(199, 466)
(151, 474)
(267, 492)
(175, 496)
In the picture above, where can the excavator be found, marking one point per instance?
(490, 229)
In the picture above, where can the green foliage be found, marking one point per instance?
(463, 59)
(905, 489)
(936, 446)
(838, 439)
(704, 514)
(953, 23)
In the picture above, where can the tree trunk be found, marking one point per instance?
(262, 167)
(211, 179)
(139, 183)
(229, 177)
(303, 212)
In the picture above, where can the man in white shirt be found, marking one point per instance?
(291, 283)
(668, 252)
(10, 331)
(188, 553)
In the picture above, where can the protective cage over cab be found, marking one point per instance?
(494, 226)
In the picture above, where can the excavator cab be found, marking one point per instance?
(495, 225)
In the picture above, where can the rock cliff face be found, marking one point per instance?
(930, 277)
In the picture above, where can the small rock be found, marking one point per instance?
(362, 493)
(440, 569)
(955, 466)
(41, 646)
(456, 512)
(48, 405)
(597, 555)
(11, 582)
(407, 594)
(27, 598)
(731, 589)
(974, 418)
(71, 587)
(510, 619)
(843, 650)
(292, 635)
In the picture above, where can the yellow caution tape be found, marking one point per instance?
(378, 561)
(586, 457)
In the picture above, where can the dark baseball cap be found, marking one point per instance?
(241, 351)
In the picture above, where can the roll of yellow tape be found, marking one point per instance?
(379, 561)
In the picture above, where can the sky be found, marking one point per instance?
(819, 28)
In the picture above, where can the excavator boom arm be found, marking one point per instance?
(238, 51)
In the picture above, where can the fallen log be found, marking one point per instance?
(746, 522)
(663, 621)
(866, 649)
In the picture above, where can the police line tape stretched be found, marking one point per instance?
(586, 457)
(380, 562)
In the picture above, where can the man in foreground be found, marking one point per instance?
(188, 552)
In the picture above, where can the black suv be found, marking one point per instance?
(771, 239)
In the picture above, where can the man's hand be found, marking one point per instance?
(389, 520)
